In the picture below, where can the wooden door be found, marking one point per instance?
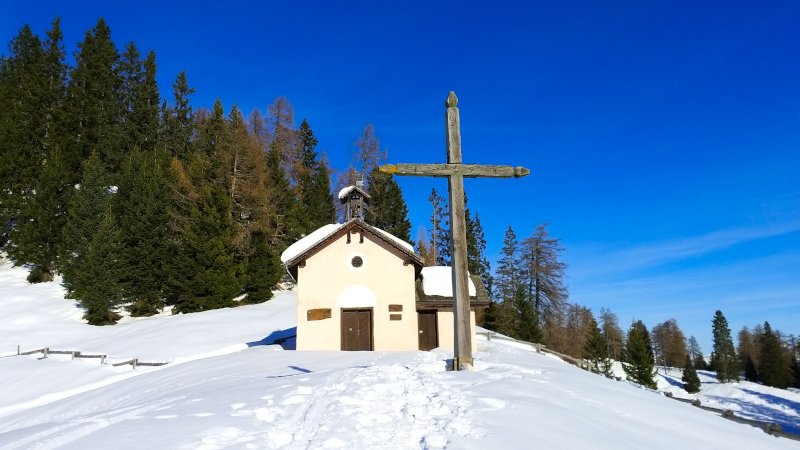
(357, 329)
(428, 334)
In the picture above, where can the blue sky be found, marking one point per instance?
(662, 136)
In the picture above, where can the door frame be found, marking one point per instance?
(371, 327)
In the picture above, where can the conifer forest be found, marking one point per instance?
(142, 202)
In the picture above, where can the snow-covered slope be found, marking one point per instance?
(261, 396)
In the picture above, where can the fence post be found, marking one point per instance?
(135, 363)
(44, 352)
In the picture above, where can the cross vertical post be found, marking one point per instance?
(462, 345)
(456, 171)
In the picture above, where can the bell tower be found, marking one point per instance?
(355, 199)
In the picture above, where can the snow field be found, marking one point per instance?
(225, 389)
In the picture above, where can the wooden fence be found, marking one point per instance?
(46, 352)
(771, 428)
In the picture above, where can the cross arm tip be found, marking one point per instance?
(520, 171)
(388, 168)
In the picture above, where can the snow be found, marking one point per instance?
(345, 190)
(224, 387)
(323, 232)
(356, 296)
(396, 239)
(437, 280)
(309, 241)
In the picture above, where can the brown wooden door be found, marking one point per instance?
(356, 329)
(428, 334)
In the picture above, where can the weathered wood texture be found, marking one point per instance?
(446, 170)
(455, 172)
(318, 314)
(458, 242)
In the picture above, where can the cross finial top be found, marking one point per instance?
(452, 100)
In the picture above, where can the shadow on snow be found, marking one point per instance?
(285, 338)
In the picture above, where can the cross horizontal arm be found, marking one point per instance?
(445, 170)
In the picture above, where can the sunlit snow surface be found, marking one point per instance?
(225, 389)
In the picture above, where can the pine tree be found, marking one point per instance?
(100, 289)
(773, 367)
(313, 185)
(440, 232)
(32, 83)
(387, 209)
(595, 350)
(323, 209)
(286, 226)
(508, 283)
(178, 126)
(723, 356)
(264, 270)
(698, 360)
(691, 382)
(142, 208)
(37, 237)
(142, 125)
(639, 361)
(21, 127)
(212, 133)
(477, 261)
(84, 214)
(131, 71)
(204, 272)
(93, 111)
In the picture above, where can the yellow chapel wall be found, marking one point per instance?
(329, 280)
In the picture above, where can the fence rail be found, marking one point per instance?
(46, 352)
(770, 428)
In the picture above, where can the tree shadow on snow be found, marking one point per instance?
(709, 376)
(287, 339)
(789, 423)
(673, 381)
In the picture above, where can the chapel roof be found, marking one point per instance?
(325, 235)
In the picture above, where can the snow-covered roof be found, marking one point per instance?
(291, 255)
(346, 190)
(438, 281)
(396, 239)
(309, 241)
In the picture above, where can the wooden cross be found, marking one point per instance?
(455, 172)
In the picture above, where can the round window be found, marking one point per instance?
(357, 261)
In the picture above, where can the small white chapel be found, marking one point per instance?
(361, 288)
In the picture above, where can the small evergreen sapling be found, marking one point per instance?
(639, 356)
(691, 382)
(595, 351)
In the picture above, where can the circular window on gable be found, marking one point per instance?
(357, 261)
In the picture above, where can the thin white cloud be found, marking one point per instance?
(659, 253)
